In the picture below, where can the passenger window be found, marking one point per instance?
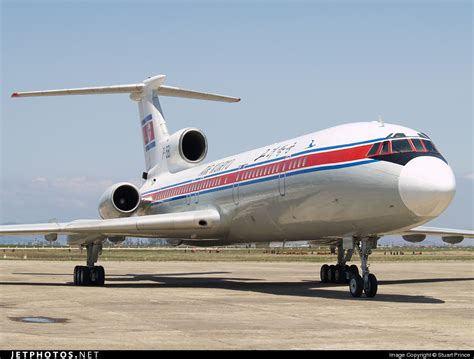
(400, 146)
(374, 149)
(385, 148)
(430, 147)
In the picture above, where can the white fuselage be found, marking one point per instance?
(318, 186)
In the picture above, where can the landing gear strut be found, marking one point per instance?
(90, 274)
(342, 273)
(368, 282)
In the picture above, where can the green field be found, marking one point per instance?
(231, 254)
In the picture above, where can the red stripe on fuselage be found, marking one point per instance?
(290, 164)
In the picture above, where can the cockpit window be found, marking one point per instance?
(429, 146)
(418, 145)
(398, 135)
(424, 135)
(399, 146)
(374, 149)
(385, 148)
(402, 145)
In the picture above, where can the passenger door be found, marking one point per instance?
(236, 184)
(282, 176)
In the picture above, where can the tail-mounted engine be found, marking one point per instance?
(184, 149)
(119, 200)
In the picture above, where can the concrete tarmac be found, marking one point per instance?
(235, 305)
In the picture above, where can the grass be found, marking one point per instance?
(231, 254)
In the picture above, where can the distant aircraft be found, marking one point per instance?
(345, 187)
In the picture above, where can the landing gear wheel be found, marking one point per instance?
(354, 270)
(86, 278)
(89, 275)
(80, 275)
(100, 276)
(324, 273)
(356, 285)
(370, 285)
(332, 274)
(340, 274)
(347, 274)
(76, 275)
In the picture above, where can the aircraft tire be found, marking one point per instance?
(340, 274)
(100, 273)
(332, 274)
(356, 286)
(353, 269)
(76, 275)
(86, 276)
(323, 273)
(370, 286)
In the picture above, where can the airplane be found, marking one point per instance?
(344, 187)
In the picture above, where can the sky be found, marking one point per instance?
(299, 67)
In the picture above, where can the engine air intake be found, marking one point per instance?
(193, 146)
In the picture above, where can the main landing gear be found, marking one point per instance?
(342, 273)
(90, 275)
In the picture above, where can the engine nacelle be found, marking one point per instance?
(117, 239)
(119, 200)
(452, 239)
(414, 238)
(185, 148)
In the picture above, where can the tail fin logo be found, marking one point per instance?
(148, 133)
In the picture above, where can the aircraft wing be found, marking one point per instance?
(444, 232)
(197, 224)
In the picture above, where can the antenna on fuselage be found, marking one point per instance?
(380, 121)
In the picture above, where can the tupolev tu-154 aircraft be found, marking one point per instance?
(345, 187)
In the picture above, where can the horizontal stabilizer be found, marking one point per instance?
(83, 91)
(137, 90)
(177, 92)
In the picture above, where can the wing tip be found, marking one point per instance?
(15, 94)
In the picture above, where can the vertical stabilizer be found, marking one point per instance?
(152, 122)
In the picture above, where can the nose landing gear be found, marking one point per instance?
(368, 282)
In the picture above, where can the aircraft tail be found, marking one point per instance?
(152, 121)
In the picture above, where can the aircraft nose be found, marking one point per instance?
(427, 186)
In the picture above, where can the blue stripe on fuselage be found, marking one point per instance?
(269, 178)
(265, 162)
